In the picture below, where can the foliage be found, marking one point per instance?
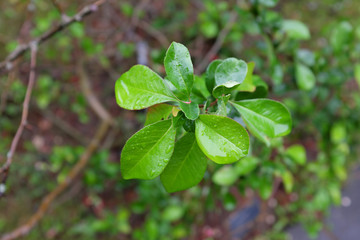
(150, 152)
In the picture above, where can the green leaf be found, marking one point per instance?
(147, 152)
(199, 93)
(158, 112)
(225, 176)
(341, 35)
(338, 133)
(179, 69)
(265, 187)
(172, 213)
(305, 78)
(297, 153)
(265, 117)
(296, 30)
(229, 74)
(222, 139)
(269, 3)
(210, 74)
(247, 85)
(288, 181)
(187, 166)
(246, 165)
(140, 88)
(357, 74)
(261, 90)
(191, 110)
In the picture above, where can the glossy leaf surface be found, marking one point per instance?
(222, 139)
(265, 117)
(158, 112)
(147, 152)
(305, 78)
(191, 110)
(229, 74)
(179, 69)
(187, 166)
(210, 74)
(140, 87)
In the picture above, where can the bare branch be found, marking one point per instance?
(7, 64)
(4, 170)
(217, 45)
(74, 173)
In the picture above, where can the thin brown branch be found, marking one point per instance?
(7, 64)
(4, 170)
(94, 102)
(158, 35)
(74, 173)
(217, 45)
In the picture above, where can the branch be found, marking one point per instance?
(217, 45)
(48, 199)
(4, 170)
(7, 64)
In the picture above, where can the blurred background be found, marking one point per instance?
(307, 54)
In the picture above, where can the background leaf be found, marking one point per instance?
(296, 30)
(305, 78)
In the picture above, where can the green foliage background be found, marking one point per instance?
(308, 53)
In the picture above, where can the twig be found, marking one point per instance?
(158, 35)
(217, 45)
(7, 64)
(74, 173)
(4, 170)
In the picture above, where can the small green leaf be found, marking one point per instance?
(225, 176)
(261, 90)
(158, 112)
(247, 85)
(210, 74)
(296, 30)
(341, 35)
(140, 88)
(297, 153)
(229, 74)
(222, 139)
(246, 165)
(269, 3)
(338, 133)
(265, 117)
(147, 152)
(179, 69)
(172, 213)
(191, 110)
(187, 166)
(305, 78)
(265, 187)
(288, 181)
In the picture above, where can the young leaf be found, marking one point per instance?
(147, 152)
(158, 112)
(222, 139)
(305, 78)
(140, 88)
(296, 30)
(179, 69)
(247, 85)
(265, 117)
(261, 90)
(191, 110)
(210, 74)
(187, 166)
(229, 74)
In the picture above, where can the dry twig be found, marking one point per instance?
(217, 45)
(4, 170)
(7, 64)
